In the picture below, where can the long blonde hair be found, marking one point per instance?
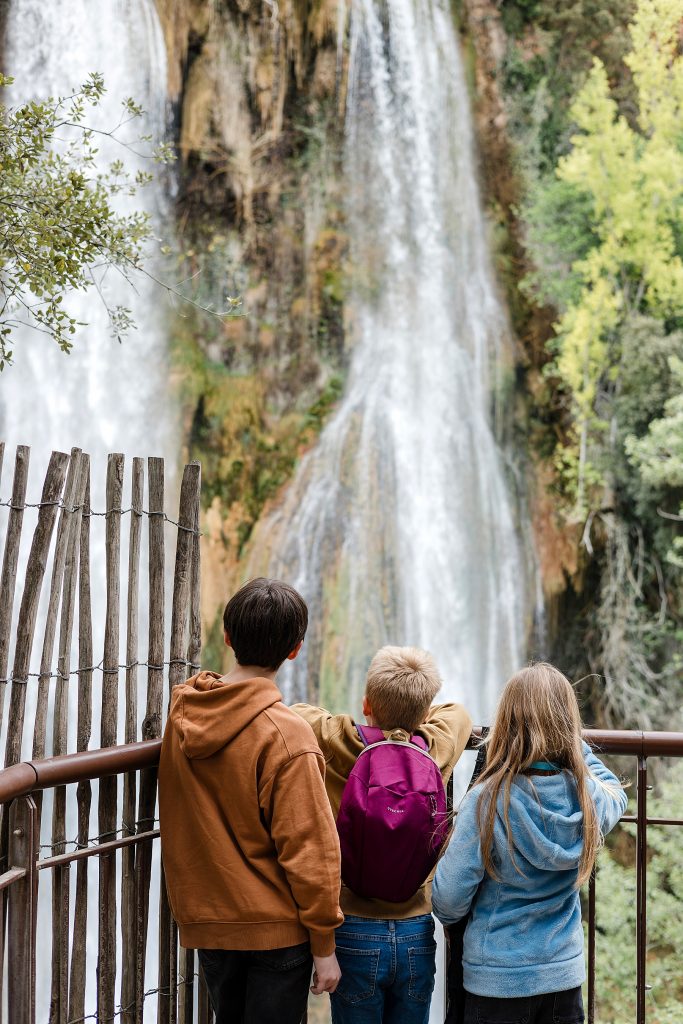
(537, 719)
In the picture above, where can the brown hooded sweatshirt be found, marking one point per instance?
(248, 841)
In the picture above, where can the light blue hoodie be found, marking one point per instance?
(525, 935)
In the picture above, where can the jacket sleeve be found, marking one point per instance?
(298, 812)
(461, 868)
(608, 794)
(447, 729)
(324, 725)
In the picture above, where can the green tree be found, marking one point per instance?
(58, 213)
(631, 176)
(658, 456)
(616, 916)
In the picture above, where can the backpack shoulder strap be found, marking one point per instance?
(369, 734)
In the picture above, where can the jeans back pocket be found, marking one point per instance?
(422, 964)
(358, 973)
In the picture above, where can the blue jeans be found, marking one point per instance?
(387, 971)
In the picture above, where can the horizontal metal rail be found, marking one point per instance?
(34, 776)
(19, 782)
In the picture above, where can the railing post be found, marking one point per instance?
(591, 946)
(641, 890)
(23, 902)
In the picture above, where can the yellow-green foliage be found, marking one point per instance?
(634, 177)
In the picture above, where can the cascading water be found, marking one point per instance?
(399, 527)
(103, 397)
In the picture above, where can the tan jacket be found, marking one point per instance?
(446, 730)
(248, 842)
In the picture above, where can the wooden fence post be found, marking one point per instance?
(151, 726)
(28, 610)
(61, 874)
(182, 579)
(83, 730)
(58, 564)
(128, 917)
(106, 965)
(10, 560)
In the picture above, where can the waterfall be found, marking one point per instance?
(400, 526)
(104, 396)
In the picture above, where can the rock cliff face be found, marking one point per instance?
(257, 96)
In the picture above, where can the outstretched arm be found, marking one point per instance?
(461, 869)
(447, 730)
(325, 726)
(607, 792)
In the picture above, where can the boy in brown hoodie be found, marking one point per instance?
(249, 845)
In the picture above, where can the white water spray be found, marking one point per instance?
(399, 527)
(104, 396)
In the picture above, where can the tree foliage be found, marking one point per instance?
(616, 916)
(633, 176)
(59, 216)
(605, 231)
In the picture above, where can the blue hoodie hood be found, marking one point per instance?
(524, 936)
(547, 821)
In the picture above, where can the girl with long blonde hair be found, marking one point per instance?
(525, 840)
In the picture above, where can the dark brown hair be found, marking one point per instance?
(265, 620)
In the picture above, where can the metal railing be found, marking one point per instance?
(20, 789)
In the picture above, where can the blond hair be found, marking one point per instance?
(537, 719)
(401, 684)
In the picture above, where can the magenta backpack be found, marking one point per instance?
(392, 819)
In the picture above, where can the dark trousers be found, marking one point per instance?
(551, 1008)
(267, 986)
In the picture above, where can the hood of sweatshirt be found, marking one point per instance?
(547, 821)
(208, 713)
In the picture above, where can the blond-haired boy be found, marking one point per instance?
(386, 951)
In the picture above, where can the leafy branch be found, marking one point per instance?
(59, 225)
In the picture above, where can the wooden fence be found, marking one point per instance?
(61, 541)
